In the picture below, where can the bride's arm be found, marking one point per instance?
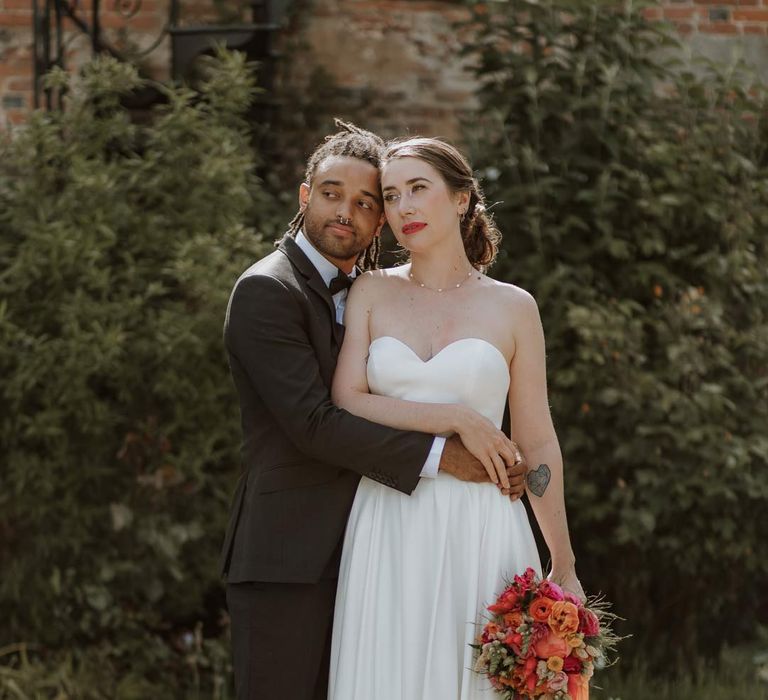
(533, 430)
(351, 392)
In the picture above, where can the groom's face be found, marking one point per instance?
(342, 208)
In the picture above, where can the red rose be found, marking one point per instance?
(506, 602)
(588, 623)
(572, 665)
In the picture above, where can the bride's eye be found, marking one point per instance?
(391, 197)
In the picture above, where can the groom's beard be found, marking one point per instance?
(327, 243)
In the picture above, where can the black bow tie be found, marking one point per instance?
(339, 283)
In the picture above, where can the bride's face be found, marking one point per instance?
(420, 208)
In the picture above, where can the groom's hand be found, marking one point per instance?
(458, 462)
(516, 474)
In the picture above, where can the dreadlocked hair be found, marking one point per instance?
(354, 142)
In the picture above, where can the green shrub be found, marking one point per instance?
(634, 199)
(119, 243)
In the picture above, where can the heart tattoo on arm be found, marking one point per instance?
(538, 479)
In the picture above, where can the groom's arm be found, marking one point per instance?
(266, 334)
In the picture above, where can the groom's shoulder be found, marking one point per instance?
(276, 266)
(268, 281)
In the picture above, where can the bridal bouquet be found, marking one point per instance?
(543, 642)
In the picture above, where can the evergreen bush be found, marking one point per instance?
(119, 244)
(632, 190)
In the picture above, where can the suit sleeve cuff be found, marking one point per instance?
(433, 459)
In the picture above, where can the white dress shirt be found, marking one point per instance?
(328, 271)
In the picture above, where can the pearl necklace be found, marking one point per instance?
(424, 286)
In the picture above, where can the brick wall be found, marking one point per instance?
(408, 49)
(724, 18)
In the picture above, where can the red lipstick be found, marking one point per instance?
(413, 227)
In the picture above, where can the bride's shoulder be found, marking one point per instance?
(512, 296)
(384, 275)
(373, 281)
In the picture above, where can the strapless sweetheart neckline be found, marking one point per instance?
(498, 352)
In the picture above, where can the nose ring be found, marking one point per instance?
(343, 221)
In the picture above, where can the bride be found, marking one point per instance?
(437, 346)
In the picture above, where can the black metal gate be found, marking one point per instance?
(255, 38)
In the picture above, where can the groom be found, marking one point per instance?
(302, 456)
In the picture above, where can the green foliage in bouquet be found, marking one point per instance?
(633, 195)
(119, 244)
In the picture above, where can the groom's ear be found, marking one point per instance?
(303, 195)
(382, 221)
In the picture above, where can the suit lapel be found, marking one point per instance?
(302, 263)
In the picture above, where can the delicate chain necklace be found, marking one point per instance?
(424, 286)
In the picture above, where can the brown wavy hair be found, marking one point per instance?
(478, 231)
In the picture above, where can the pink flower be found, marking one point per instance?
(558, 682)
(588, 622)
(540, 631)
(551, 645)
(549, 589)
(571, 598)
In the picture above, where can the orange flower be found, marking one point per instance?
(540, 609)
(518, 678)
(574, 640)
(551, 645)
(507, 681)
(578, 687)
(564, 618)
(555, 663)
(513, 619)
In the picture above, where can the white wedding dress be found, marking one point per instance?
(418, 571)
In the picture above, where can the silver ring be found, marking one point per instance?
(343, 221)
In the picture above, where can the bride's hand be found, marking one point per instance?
(568, 581)
(487, 443)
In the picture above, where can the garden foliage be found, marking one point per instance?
(119, 243)
(632, 191)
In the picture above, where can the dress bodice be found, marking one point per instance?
(470, 371)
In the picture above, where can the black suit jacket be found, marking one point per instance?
(302, 455)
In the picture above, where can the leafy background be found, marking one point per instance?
(632, 192)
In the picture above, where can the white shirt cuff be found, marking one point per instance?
(433, 460)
